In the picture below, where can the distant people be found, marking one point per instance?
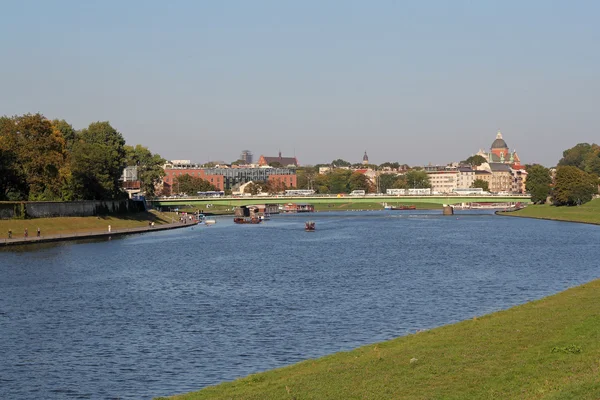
(152, 224)
(10, 234)
(38, 232)
(109, 229)
(26, 233)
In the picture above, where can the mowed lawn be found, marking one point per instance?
(67, 225)
(546, 349)
(588, 212)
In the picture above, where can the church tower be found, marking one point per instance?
(365, 158)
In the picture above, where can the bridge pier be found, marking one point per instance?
(447, 210)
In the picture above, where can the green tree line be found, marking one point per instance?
(575, 180)
(44, 160)
(340, 180)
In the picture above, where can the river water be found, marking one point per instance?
(170, 312)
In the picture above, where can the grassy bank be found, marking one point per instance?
(546, 349)
(66, 225)
(589, 212)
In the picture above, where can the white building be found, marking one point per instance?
(466, 177)
(444, 181)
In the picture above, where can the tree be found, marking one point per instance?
(98, 160)
(480, 183)
(275, 164)
(252, 188)
(359, 181)
(417, 179)
(238, 162)
(191, 185)
(272, 186)
(576, 155)
(391, 165)
(66, 131)
(538, 183)
(475, 160)
(305, 177)
(573, 186)
(339, 181)
(41, 155)
(12, 181)
(340, 163)
(387, 181)
(150, 167)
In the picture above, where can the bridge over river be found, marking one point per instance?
(240, 201)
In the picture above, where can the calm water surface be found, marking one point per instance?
(171, 312)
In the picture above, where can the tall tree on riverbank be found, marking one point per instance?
(36, 154)
(538, 183)
(98, 160)
(149, 167)
(584, 156)
(573, 186)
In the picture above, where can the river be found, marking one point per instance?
(170, 312)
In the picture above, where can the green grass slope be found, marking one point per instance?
(546, 349)
(588, 212)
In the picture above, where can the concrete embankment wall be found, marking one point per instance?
(46, 209)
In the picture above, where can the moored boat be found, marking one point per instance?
(247, 220)
(309, 226)
(403, 208)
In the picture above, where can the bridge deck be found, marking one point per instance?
(239, 201)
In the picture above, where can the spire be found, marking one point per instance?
(279, 153)
(499, 135)
(365, 158)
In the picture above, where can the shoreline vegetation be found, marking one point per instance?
(543, 349)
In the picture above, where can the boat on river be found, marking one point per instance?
(247, 215)
(399, 208)
(247, 220)
(309, 226)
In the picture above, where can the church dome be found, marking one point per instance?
(499, 143)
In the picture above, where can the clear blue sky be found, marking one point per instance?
(414, 82)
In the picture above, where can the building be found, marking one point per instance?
(246, 156)
(500, 153)
(502, 178)
(365, 160)
(443, 181)
(466, 177)
(171, 174)
(264, 161)
(519, 175)
(485, 176)
(227, 178)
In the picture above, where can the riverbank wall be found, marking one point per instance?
(51, 209)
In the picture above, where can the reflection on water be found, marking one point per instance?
(169, 312)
